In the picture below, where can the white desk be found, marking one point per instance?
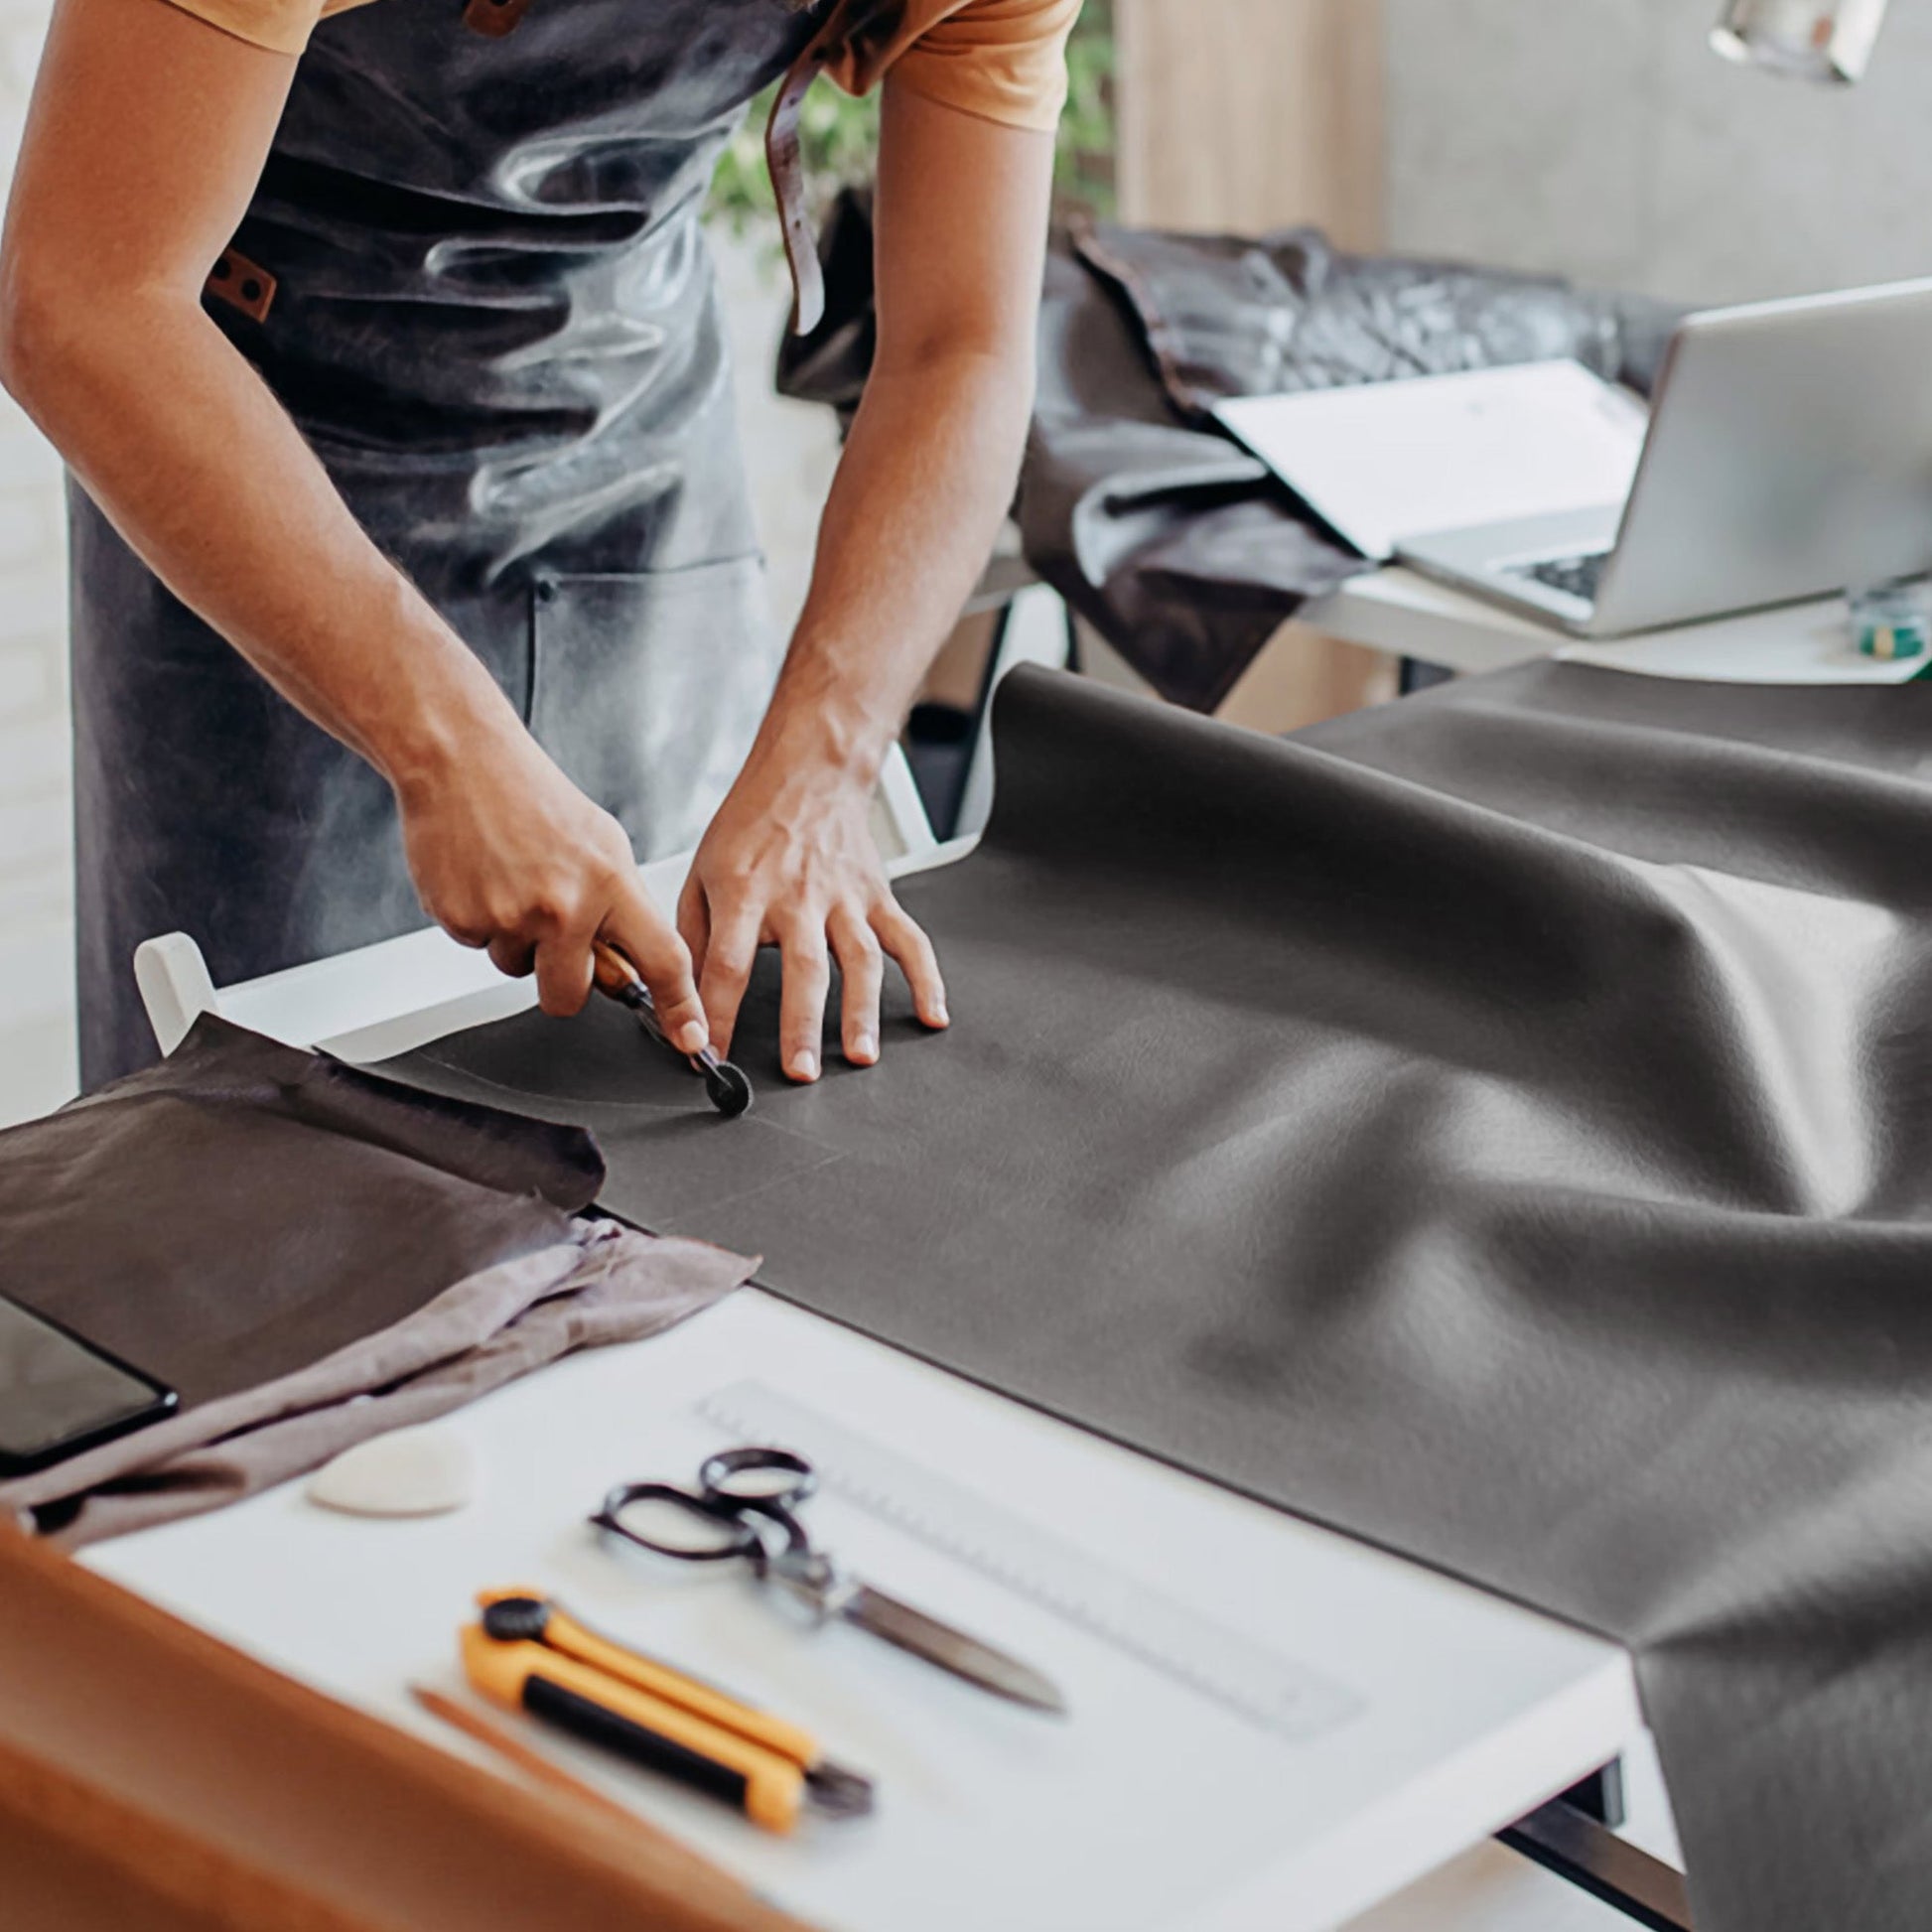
(1148, 1808)
(1151, 1808)
(1396, 609)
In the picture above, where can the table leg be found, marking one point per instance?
(1417, 675)
(1572, 1837)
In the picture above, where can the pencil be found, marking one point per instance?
(553, 1777)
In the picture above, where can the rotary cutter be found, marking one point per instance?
(730, 1090)
(528, 1654)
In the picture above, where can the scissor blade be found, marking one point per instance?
(952, 1650)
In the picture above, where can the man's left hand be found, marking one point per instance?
(790, 862)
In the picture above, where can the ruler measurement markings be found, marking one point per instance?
(1258, 1684)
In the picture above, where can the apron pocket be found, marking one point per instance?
(648, 690)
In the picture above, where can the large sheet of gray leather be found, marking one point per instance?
(1496, 1125)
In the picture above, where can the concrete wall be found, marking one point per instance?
(1601, 137)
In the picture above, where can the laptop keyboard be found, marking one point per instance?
(1576, 576)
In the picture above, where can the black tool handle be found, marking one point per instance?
(625, 1738)
(730, 1091)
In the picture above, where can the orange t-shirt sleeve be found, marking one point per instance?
(1005, 60)
(1002, 60)
(283, 26)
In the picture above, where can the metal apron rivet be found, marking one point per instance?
(494, 18)
(242, 284)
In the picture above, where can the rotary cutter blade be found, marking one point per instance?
(730, 1090)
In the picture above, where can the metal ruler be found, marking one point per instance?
(1234, 1670)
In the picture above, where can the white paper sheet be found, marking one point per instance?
(1385, 461)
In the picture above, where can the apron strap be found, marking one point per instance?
(784, 155)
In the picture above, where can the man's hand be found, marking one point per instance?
(790, 860)
(507, 854)
(926, 479)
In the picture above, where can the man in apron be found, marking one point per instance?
(412, 562)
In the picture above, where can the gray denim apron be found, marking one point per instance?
(474, 273)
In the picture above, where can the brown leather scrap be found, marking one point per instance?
(494, 18)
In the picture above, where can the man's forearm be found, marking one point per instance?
(926, 479)
(789, 859)
(192, 457)
(181, 443)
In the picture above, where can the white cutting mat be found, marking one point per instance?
(1385, 461)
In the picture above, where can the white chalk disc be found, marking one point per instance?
(426, 1471)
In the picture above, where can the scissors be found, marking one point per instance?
(745, 1510)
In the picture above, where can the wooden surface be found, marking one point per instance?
(153, 1778)
(1304, 677)
(1301, 677)
(76, 1859)
(1252, 114)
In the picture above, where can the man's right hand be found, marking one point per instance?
(105, 339)
(508, 855)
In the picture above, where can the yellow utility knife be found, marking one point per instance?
(528, 1654)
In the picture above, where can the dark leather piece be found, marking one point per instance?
(495, 320)
(242, 1210)
(1182, 549)
(1268, 315)
(1493, 1126)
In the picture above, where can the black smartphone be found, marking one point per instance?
(59, 1395)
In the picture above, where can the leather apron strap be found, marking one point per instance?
(849, 21)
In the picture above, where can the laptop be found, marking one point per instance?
(1789, 455)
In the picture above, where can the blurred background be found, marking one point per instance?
(1599, 139)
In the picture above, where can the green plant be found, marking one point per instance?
(1086, 138)
(840, 138)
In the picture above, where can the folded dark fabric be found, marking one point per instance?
(603, 1283)
(1494, 1126)
(1182, 550)
(1226, 315)
(243, 1210)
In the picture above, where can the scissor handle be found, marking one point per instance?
(738, 1539)
(744, 1478)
